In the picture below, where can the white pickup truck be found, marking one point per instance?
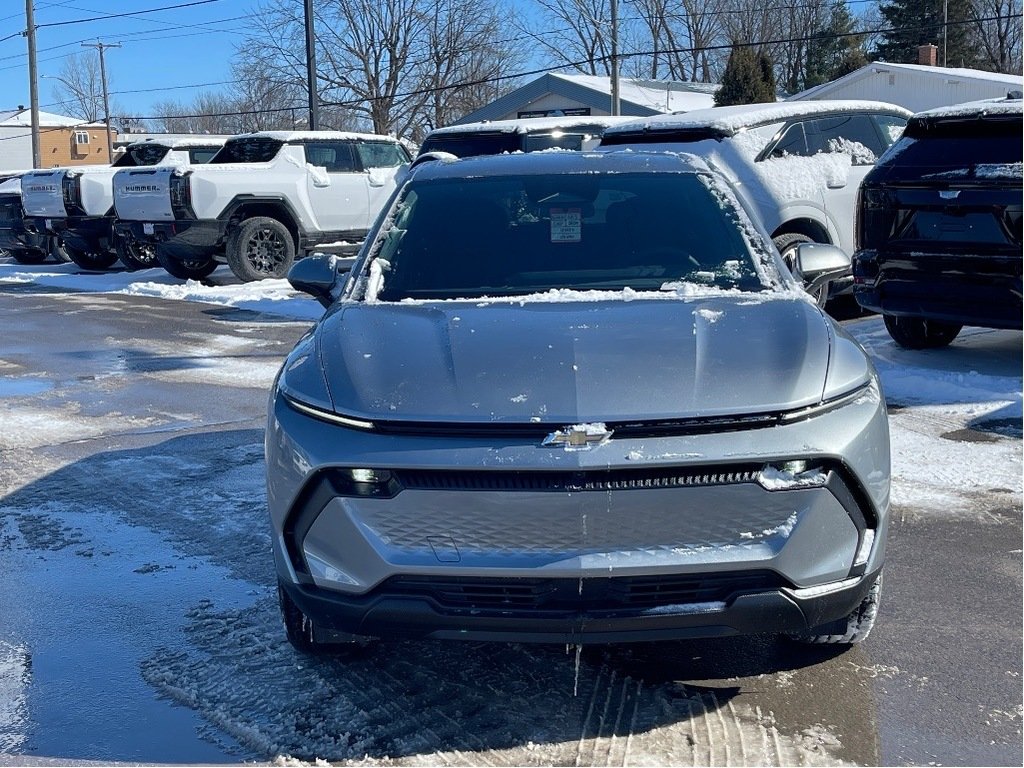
(76, 204)
(264, 199)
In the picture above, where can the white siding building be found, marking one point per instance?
(915, 86)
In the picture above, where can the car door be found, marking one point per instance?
(853, 134)
(338, 190)
(380, 161)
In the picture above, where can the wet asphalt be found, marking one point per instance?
(135, 622)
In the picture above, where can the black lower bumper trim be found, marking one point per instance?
(405, 616)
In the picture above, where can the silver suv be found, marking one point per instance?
(534, 411)
(797, 163)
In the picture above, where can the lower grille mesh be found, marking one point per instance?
(619, 593)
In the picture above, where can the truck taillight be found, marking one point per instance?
(181, 196)
(71, 191)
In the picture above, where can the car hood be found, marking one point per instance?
(566, 363)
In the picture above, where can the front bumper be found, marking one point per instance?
(500, 521)
(980, 289)
(398, 612)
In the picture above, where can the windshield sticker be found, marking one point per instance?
(566, 225)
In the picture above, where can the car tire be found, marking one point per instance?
(26, 256)
(851, 629)
(91, 260)
(185, 269)
(55, 247)
(787, 244)
(260, 248)
(919, 333)
(306, 637)
(135, 255)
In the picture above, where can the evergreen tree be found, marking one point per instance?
(744, 80)
(834, 50)
(918, 22)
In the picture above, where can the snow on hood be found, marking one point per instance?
(574, 362)
(735, 118)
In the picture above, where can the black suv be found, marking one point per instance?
(939, 225)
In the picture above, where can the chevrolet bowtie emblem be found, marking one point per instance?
(579, 437)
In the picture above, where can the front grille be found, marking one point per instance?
(623, 593)
(591, 480)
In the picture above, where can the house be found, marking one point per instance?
(915, 86)
(62, 141)
(563, 95)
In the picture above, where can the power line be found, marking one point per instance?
(129, 13)
(576, 64)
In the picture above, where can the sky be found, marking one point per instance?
(170, 54)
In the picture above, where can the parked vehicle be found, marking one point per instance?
(76, 204)
(16, 240)
(265, 198)
(797, 163)
(526, 135)
(533, 411)
(939, 225)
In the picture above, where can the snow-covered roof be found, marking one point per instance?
(735, 118)
(528, 124)
(312, 135)
(944, 73)
(163, 138)
(557, 162)
(665, 96)
(23, 119)
(182, 142)
(983, 107)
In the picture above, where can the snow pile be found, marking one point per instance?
(955, 421)
(14, 679)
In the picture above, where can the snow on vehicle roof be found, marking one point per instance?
(556, 162)
(527, 124)
(975, 108)
(308, 135)
(194, 141)
(736, 118)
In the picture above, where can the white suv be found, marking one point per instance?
(76, 204)
(798, 164)
(264, 199)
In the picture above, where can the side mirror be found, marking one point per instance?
(817, 263)
(316, 275)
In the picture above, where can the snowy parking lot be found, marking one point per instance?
(138, 620)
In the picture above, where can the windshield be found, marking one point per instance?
(144, 154)
(472, 144)
(516, 235)
(955, 148)
(248, 150)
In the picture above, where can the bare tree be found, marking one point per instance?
(998, 40)
(575, 33)
(78, 88)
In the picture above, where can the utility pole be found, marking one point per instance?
(945, 30)
(314, 111)
(33, 85)
(615, 57)
(101, 46)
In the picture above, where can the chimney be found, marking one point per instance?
(928, 55)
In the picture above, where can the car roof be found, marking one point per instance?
(730, 120)
(526, 125)
(196, 141)
(550, 162)
(1005, 106)
(314, 136)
